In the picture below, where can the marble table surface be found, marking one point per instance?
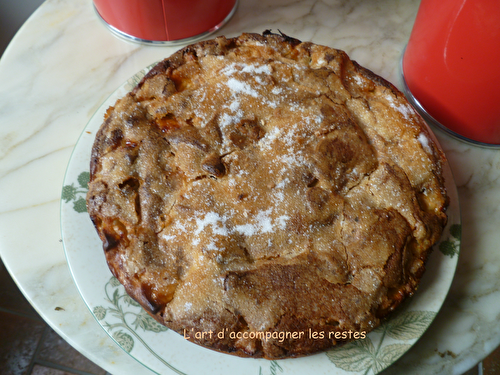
(64, 63)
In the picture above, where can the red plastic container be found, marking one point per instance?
(451, 67)
(164, 21)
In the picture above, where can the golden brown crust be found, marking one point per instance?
(262, 184)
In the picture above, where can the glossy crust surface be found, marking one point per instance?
(262, 184)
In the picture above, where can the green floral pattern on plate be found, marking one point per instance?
(120, 311)
(76, 194)
(274, 369)
(451, 246)
(363, 356)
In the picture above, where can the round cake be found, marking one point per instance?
(266, 197)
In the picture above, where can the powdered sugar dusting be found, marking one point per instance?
(262, 223)
(239, 87)
(424, 141)
(405, 109)
(211, 219)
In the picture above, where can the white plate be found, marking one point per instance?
(166, 352)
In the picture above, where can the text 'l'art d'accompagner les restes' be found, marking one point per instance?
(275, 335)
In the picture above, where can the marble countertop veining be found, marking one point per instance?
(64, 63)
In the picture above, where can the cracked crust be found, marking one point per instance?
(262, 184)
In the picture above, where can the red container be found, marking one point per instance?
(451, 67)
(164, 21)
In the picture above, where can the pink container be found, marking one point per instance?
(451, 67)
(164, 21)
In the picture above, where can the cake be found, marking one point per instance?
(266, 197)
